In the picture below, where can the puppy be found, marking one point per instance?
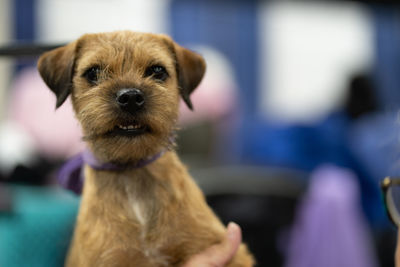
(125, 89)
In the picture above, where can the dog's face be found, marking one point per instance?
(125, 89)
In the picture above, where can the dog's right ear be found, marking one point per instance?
(57, 69)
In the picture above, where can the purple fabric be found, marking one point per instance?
(70, 174)
(330, 229)
(71, 177)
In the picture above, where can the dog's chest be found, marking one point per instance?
(139, 211)
(145, 207)
(141, 217)
(141, 197)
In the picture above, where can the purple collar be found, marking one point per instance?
(93, 162)
(71, 177)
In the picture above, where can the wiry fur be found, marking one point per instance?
(155, 215)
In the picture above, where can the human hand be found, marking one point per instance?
(220, 254)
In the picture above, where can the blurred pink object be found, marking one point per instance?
(216, 95)
(56, 133)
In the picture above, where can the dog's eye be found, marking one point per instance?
(92, 74)
(156, 72)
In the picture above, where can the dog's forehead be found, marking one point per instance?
(137, 47)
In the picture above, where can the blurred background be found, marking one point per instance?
(295, 123)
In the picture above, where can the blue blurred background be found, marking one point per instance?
(295, 123)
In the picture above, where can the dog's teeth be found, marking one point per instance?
(130, 127)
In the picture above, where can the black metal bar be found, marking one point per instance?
(26, 50)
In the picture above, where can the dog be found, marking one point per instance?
(125, 89)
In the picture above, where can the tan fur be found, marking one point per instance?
(155, 215)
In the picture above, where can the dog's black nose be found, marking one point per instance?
(130, 100)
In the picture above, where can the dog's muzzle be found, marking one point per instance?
(130, 100)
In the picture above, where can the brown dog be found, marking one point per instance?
(125, 89)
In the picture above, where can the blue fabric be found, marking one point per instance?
(232, 28)
(24, 27)
(374, 140)
(387, 55)
(24, 15)
(307, 147)
(298, 146)
(38, 230)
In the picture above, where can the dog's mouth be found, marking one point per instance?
(131, 129)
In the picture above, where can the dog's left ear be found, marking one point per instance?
(190, 68)
(56, 68)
